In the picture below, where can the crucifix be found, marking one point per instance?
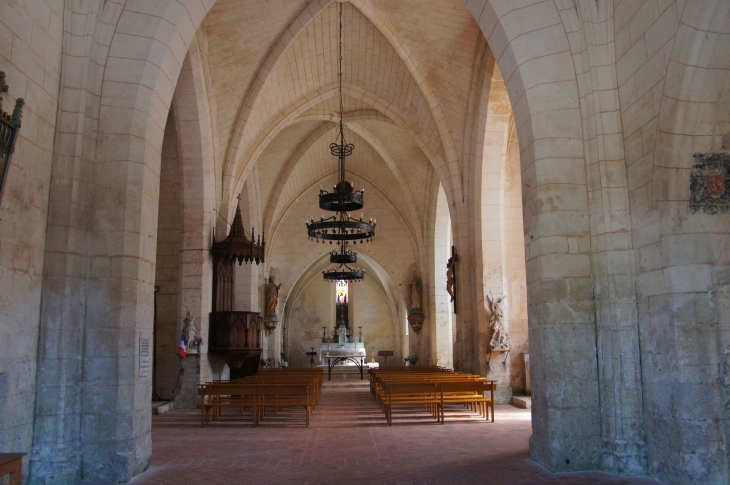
(451, 276)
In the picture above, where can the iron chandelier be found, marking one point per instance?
(341, 227)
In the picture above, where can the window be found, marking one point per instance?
(341, 292)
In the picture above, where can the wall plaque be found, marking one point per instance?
(709, 182)
(145, 366)
(144, 345)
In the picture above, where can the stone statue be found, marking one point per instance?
(499, 336)
(189, 328)
(416, 291)
(272, 296)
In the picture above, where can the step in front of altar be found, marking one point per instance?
(345, 376)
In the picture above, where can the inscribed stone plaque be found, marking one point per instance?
(709, 182)
(145, 366)
(144, 345)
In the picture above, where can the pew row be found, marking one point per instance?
(270, 389)
(432, 389)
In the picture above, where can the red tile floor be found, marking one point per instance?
(349, 442)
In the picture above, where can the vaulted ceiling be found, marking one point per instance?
(272, 66)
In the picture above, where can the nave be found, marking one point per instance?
(349, 441)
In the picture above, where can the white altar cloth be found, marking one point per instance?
(355, 349)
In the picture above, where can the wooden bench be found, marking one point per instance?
(381, 381)
(12, 464)
(281, 396)
(215, 396)
(399, 386)
(471, 394)
(424, 394)
(256, 394)
(376, 374)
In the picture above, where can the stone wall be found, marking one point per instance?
(30, 56)
(380, 325)
(313, 308)
(672, 70)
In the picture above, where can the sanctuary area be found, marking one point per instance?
(364, 241)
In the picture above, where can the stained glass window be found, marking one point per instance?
(341, 291)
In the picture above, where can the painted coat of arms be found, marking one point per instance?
(709, 181)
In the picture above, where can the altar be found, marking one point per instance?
(342, 352)
(353, 349)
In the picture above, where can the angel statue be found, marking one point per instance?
(499, 336)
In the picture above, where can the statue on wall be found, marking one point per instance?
(499, 336)
(272, 295)
(416, 291)
(416, 317)
(189, 328)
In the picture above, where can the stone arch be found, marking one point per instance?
(394, 301)
(692, 118)
(145, 57)
(696, 80)
(195, 151)
(194, 205)
(531, 48)
(368, 8)
(313, 9)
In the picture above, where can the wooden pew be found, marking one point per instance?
(281, 396)
(276, 389)
(452, 387)
(425, 394)
(217, 395)
(471, 394)
(374, 374)
(12, 464)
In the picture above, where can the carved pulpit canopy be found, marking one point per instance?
(239, 247)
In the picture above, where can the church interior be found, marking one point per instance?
(371, 241)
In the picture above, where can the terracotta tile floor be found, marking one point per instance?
(349, 442)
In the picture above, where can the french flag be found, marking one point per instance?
(183, 345)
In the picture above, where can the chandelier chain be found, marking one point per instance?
(342, 104)
(341, 227)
